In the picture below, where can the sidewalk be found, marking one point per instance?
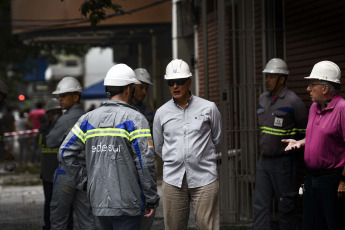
(22, 198)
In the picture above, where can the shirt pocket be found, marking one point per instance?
(200, 123)
(282, 119)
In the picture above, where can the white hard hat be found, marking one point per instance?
(143, 76)
(177, 69)
(68, 85)
(3, 88)
(326, 71)
(120, 75)
(52, 104)
(276, 65)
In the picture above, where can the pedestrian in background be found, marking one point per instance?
(21, 124)
(281, 114)
(3, 95)
(9, 126)
(35, 118)
(65, 192)
(324, 150)
(187, 134)
(49, 161)
(119, 156)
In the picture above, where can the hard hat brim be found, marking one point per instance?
(177, 76)
(67, 91)
(120, 82)
(146, 81)
(322, 79)
(276, 71)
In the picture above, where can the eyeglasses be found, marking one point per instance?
(179, 81)
(313, 84)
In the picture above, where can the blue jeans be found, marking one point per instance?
(120, 222)
(320, 202)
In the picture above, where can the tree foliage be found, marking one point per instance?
(95, 9)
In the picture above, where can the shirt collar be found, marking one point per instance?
(118, 102)
(281, 94)
(76, 106)
(189, 100)
(331, 105)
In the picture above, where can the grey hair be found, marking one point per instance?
(334, 88)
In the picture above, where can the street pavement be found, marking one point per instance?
(22, 198)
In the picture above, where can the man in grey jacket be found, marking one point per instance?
(119, 154)
(65, 194)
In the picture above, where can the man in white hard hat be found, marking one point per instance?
(187, 134)
(140, 92)
(120, 169)
(281, 114)
(324, 149)
(65, 193)
(48, 157)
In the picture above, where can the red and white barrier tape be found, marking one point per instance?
(17, 133)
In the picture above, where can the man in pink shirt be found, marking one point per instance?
(35, 116)
(324, 153)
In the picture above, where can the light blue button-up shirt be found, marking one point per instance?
(187, 140)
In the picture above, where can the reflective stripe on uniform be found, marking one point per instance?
(110, 132)
(281, 132)
(48, 150)
(45, 149)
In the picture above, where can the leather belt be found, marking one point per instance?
(322, 172)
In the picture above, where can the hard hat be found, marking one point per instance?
(177, 69)
(3, 88)
(276, 65)
(143, 76)
(327, 71)
(68, 85)
(52, 104)
(120, 75)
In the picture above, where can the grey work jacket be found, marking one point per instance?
(63, 125)
(284, 117)
(119, 156)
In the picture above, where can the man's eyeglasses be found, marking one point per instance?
(314, 84)
(179, 81)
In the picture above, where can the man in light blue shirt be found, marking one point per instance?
(187, 134)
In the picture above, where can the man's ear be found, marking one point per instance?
(282, 79)
(76, 97)
(325, 89)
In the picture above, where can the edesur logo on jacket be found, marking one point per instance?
(105, 148)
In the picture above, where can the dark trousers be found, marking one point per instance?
(120, 222)
(48, 192)
(276, 177)
(321, 203)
